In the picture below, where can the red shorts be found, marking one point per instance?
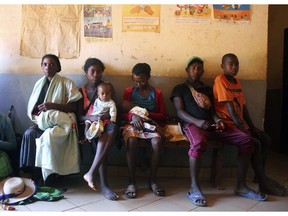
(198, 139)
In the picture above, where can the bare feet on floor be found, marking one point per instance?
(272, 187)
(90, 182)
(108, 193)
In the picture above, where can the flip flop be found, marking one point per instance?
(157, 190)
(131, 191)
(253, 195)
(197, 199)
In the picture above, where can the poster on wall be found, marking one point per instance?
(141, 18)
(232, 12)
(50, 29)
(98, 21)
(193, 12)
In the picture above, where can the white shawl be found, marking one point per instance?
(57, 150)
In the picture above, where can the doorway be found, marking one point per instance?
(284, 122)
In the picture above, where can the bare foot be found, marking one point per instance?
(272, 187)
(108, 193)
(90, 182)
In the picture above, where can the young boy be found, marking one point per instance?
(229, 103)
(103, 104)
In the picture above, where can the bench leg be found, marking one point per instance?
(216, 168)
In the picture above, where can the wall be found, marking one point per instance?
(166, 52)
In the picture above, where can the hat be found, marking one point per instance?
(194, 59)
(95, 129)
(16, 189)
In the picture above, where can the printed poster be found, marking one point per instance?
(192, 12)
(98, 21)
(141, 18)
(232, 12)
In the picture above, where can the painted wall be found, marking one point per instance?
(167, 52)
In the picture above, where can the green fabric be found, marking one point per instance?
(49, 194)
(5, 164)
(45, 193)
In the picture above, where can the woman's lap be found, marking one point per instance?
(130, 132)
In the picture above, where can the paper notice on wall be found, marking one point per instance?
(98, 21)
(51, 29)
(141, 18)
(232, 12)
(192, 13)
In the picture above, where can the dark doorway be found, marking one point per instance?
(284, 123)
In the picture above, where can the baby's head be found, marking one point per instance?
(104, 91)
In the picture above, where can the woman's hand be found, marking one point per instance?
(67, 107)
(46, 106)
(137, 122)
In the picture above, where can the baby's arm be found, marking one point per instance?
(113, 112)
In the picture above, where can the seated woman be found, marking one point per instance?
(144, 96)
(51, 107)
(94, 69)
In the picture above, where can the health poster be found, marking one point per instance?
(141, 18)
(232, 12)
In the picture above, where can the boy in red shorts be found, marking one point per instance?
(230, 105)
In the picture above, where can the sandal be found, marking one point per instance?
(197, 199)
(253, 195)
(131, 191)
(157, 190)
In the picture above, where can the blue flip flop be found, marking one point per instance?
(196, 197)
(253, 195)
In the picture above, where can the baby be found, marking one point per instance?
(149, 124)
(102, 104)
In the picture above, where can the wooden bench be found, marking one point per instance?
(217, 157)
(216, 162)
